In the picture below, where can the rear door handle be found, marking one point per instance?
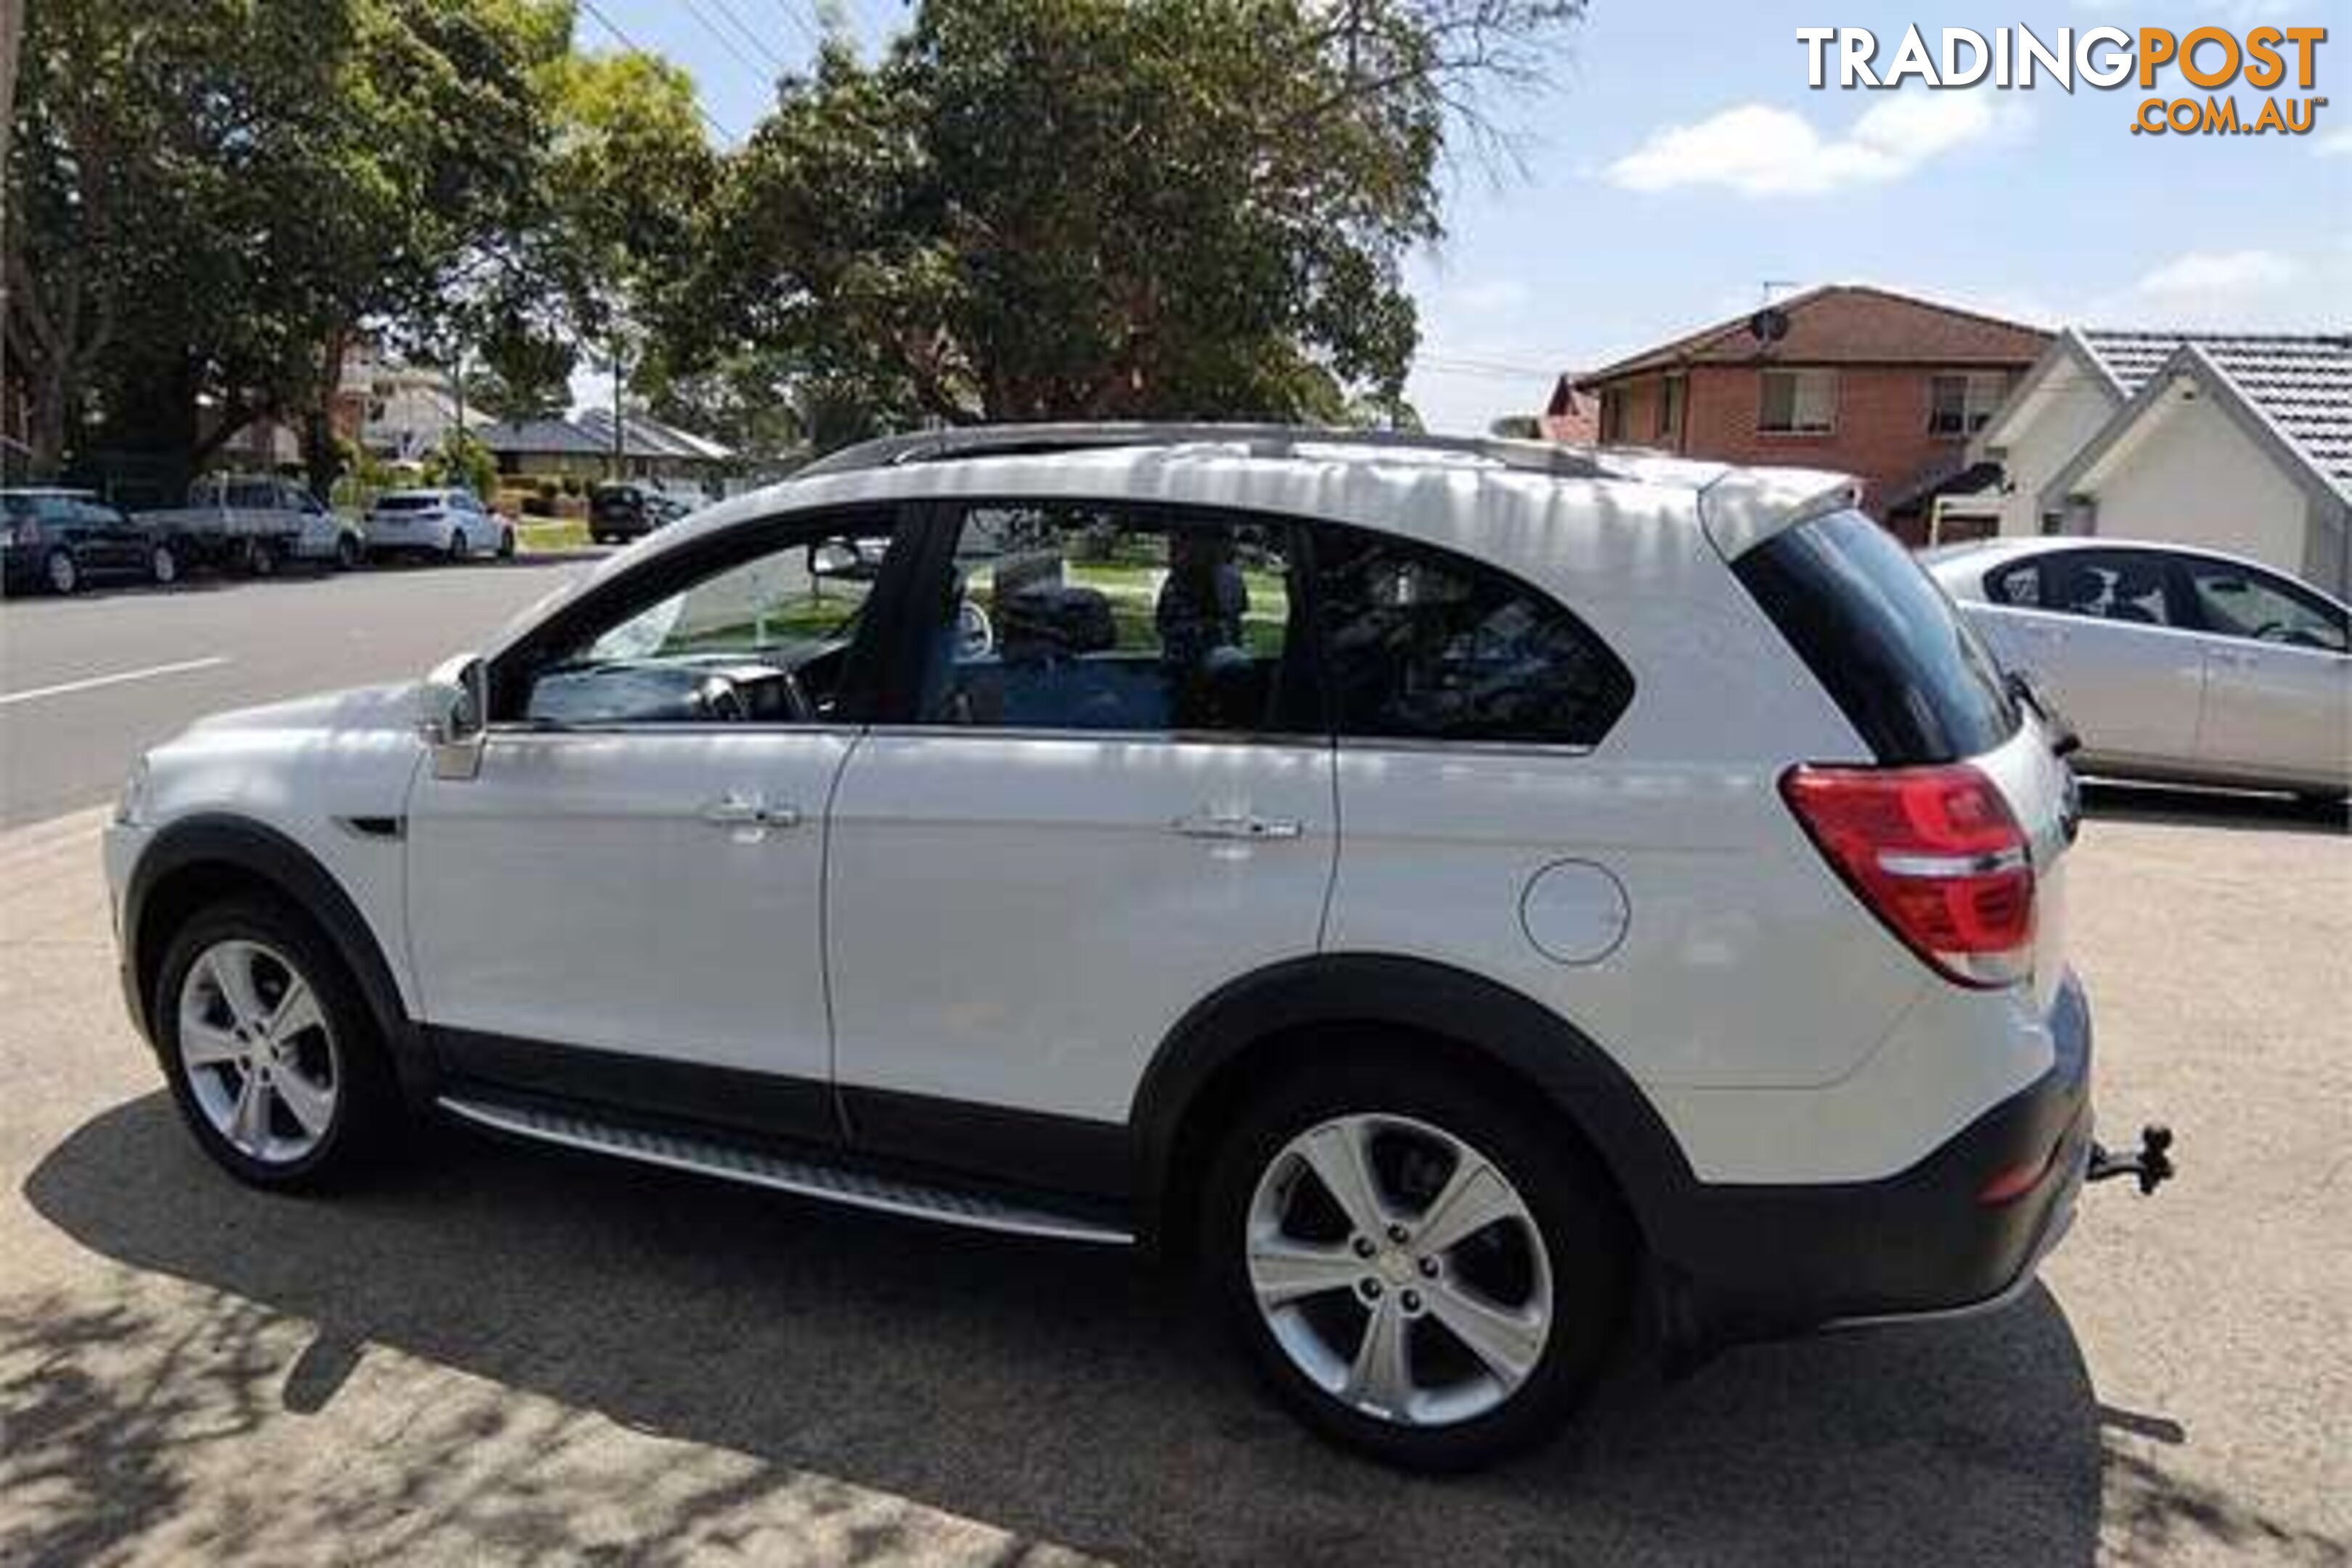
(742, 808)
(1230, 825)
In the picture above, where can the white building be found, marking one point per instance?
(2240, 442)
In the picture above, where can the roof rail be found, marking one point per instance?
(1265, 440)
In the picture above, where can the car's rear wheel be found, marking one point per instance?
(1423, 1271)
(349, 553)
(457, 547)
(506, 544)
(271, 1055)
(163, 565)
(260, 558)
(62, 572)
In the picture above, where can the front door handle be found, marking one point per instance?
(1237, 825)
(742, 808)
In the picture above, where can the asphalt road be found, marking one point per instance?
(85, 682)
(510, 1356)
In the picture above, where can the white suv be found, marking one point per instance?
(1456, 894)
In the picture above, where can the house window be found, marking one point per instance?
(1961, 403)
(1670, 407)
(1798, 403)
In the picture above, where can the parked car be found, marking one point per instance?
(447, 524)
(2174, 663)
(622, 510)
(1462, 896)
(255, 523)
(59, 540)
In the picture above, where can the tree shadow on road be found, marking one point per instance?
(1061, 1395)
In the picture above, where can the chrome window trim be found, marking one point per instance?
(1288, 741)
(705, 727)
(1413, 745)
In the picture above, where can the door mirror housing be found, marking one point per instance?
(449, 717)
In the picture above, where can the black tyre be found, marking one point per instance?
(349, 555)
(163, 565)
(273, 1058)
(61, 571)
(506, 544)
(258, 559)
(457, 548)
(1429, 1274)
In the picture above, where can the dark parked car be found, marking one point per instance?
(618, 512)
(61, 539)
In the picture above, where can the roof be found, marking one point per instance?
(537, 436)
(2302, 383)
(591, 436)
(646, 437)
(1570, 416)
(1846, 323)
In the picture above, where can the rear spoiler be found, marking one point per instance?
(1747, 506)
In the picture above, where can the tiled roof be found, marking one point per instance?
(1848, 324)
(2302, 382)
(537, 436)
(646, 437)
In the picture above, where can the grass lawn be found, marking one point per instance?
(552, 534)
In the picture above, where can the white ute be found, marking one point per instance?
(1456, 894)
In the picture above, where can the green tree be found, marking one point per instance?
(1110, 209)
(627, 184)
(207, 199)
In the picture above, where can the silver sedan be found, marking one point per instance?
(2173, 664)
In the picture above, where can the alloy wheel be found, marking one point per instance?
(163, 565)
(262, 1062)
(1399, 1269)
(64, 571)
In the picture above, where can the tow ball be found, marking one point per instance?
(2150, 1163)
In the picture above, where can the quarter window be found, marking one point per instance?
(1798, 401)
(1098, 617)
(1423, 644)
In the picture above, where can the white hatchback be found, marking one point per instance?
(1460, 895)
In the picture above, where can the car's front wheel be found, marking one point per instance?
(62, 572)
(1423, 1271)
(272, 1057)
(506, 544)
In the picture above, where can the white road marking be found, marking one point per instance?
(151, 672)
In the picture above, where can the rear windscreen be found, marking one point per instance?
(1882, 639)
(408, 503)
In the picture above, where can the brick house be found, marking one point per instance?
(1877, 384)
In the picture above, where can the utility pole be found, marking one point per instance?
(619, 449)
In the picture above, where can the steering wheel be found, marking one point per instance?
(2273, 631)
(975, 638)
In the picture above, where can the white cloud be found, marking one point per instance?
(1758, 149)
(2221, 272)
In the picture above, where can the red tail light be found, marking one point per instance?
(1934, 853)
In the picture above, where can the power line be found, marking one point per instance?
(627, 42)
(735, 19)
(726, 44)
(816, 37)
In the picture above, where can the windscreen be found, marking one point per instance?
(1882, 639)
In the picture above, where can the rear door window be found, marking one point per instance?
(2127, 585)
(1881, 637)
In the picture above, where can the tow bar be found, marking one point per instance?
(2150, 1163)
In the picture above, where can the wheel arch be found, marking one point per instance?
(200, 861)
(1268, 1021)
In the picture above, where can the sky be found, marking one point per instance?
(1674, 168)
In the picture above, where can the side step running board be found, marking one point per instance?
(808, 1178)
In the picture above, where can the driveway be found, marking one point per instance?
(512, 1356)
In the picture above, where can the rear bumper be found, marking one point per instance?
(1760, 1261)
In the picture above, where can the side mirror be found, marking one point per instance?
(449, 718)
